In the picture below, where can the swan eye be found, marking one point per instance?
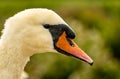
(47, 26)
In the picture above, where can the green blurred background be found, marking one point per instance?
(97, 27)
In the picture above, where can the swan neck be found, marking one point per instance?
(12, 62)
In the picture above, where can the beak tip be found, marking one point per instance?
(91, 63)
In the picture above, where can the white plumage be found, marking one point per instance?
(24, 35)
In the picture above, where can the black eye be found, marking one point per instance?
(47, 26)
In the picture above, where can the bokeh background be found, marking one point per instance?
(97, 27)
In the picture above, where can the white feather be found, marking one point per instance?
(23, 36)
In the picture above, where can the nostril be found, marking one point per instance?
(70, 42)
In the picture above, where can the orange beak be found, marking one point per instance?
(69, 46)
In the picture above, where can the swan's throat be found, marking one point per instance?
(12, 62)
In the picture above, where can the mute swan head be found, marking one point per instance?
(42, 30)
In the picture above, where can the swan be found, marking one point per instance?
(31, 31)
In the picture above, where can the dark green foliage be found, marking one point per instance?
(106, 73)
